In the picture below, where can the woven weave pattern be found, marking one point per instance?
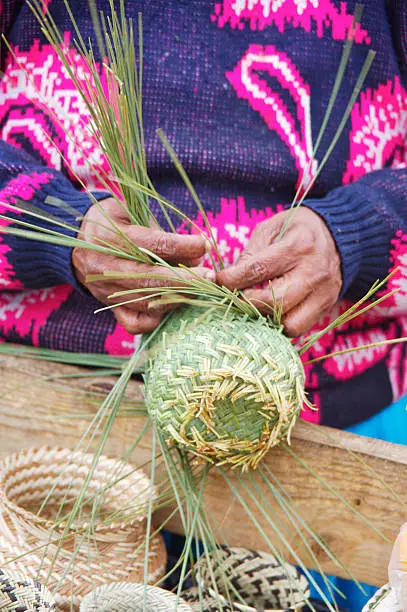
(114, 551)
(223, 386)
(261, 581)
(384, 600)
(23, 595)
(125, 597)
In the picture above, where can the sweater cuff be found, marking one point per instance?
(350, 215)
(48, 264)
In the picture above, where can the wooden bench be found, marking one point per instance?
(366, 472)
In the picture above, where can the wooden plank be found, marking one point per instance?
(36, 413)
(362, 470)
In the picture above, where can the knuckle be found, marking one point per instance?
(309, 285)
(129, 322)
(92, 265)
(325, 276)
(163, 246)
(327, 303)
(305, 242)
(315, 280)
(256, 270)
(132, 328)
(139, 307)
(151, 283)
(245, 255)
(325, 308)
(323, 273)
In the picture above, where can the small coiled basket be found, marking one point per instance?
(20, 594)
(125, 597)
(223, 386)
(259, 579)
(112, 550)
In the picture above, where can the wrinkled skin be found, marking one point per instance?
(144, 316)
(303, 266)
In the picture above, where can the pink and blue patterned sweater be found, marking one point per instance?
(241, 87)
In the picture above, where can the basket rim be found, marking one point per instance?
(155, 573)
(129, 586)
(14, 507)
(245, 608)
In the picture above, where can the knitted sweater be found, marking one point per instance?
(240, 87)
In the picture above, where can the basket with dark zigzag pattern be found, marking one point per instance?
(262, 582)
(20, 594)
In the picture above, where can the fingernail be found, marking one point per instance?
(195, 263)
(208, 245)
(208, 274)
(154, 305)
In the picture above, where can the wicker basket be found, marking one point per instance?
(115, 552)
(126, 597)
(20, 594)
(384, 600)
(259, 579)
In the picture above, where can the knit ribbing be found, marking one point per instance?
(349, 214)
(38, 263)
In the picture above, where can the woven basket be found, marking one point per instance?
(223, 386)
(116, 550)
(20, 594)
(126, 597)
(258, 578)
(384, 600)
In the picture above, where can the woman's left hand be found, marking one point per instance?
(303, 266)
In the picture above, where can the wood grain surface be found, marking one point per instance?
(369, 474)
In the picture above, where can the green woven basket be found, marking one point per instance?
(223, 386)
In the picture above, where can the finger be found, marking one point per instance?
(285, 292)
(144, 294)
(264, 234)
(152, 302)
(104, 221)
(119, 274)
(146, 303)
(151, 277)
(114, 209)
(300, 319)
(174, 248)
(274, 261)
(136, 322)
(193, 263)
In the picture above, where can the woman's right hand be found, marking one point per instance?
(143, 316)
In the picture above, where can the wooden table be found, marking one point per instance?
(370, 474)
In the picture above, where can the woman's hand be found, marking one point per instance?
(144, 316)
(304, 267)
